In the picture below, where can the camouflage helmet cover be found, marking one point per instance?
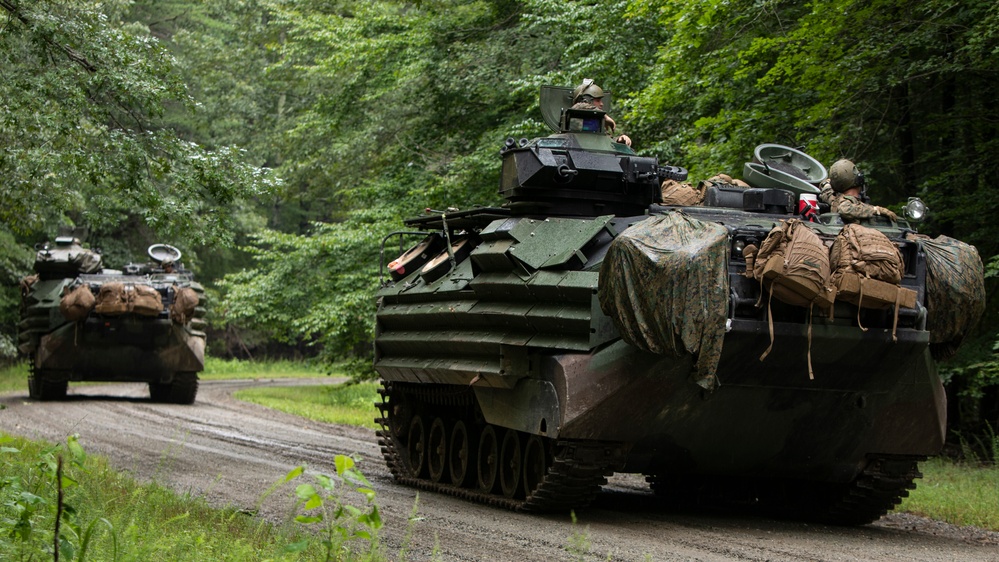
(843, 175)
(587, 88)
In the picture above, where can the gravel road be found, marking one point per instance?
(230, 452)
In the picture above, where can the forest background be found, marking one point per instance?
(276, 142)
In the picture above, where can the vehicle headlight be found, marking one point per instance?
(738, 246)
(915, 209)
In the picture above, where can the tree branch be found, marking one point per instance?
(15, 11)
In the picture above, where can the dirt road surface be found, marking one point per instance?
(230, 452)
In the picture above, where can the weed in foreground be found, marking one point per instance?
(346, 530)
(579, 542)
(35, 515)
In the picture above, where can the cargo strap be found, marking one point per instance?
(811, 373)
(770, 326)
(860, 302)
(894, 324)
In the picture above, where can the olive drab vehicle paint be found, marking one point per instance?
(529, 351)
(83, 322)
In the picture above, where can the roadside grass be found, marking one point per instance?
(962, 493)
(225, 369)
(349, 404)
(14, 377)
(106, 515)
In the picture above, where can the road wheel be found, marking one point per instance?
(510, 463)
(536, 463)
(460, 454)
(487, 460)
(416, 445)
(437, 450)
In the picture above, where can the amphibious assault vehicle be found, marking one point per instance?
(82, 322)
(531, 350)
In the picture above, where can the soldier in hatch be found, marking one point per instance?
(842, 192)
(590, 96)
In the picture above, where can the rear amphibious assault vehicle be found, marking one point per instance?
(584, 328)
(82, 322)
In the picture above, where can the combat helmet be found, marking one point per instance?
(587, 92)
(843, 175)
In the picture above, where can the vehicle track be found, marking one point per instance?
(231, 452)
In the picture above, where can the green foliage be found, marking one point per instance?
(83, 92)
(15, 263)
(14, 377)
(315, 288)
(221, 369)
(103, 515)
(326, 503)
(32, 507)
(579, 544)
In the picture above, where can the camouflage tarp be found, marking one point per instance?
(664, 283)
(955, 291)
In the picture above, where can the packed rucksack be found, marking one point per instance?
(185, 300)
(793, 264)
(866, 252)
(76, 303)
(145, 301)
(112, 299)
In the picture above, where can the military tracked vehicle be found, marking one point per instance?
(529, 351)
(83, 322)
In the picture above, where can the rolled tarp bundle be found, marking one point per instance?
(664, 284)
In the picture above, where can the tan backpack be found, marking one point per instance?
(867, 270)
(867, 252)
(681, 194)
(185, 300)
(112, 299)
(145, 301)
(793, 263)
(76, 303)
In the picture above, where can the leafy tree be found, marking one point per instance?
(82, 144)
(14, 261)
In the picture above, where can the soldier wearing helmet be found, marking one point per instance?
(842, 192)
(590, 96)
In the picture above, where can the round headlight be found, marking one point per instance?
(915, 209)
(738, 246)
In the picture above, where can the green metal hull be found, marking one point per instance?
(592, 331)
(541, 358)
(154, 347)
